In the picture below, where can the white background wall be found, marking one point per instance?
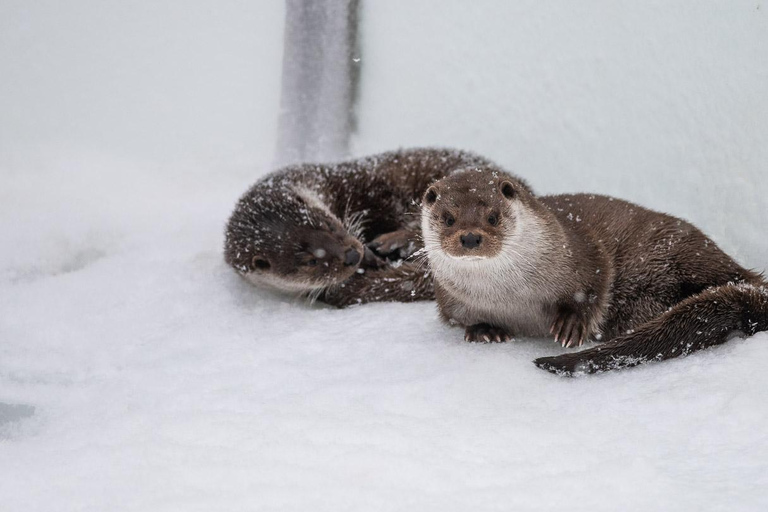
(176, 81)
(664, 103)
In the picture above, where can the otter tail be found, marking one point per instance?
(709, 318)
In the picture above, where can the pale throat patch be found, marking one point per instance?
(504, 290)
(278, 283)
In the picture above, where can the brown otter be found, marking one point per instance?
(581, 267)
(327, 230)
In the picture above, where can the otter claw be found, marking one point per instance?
(486, 333)
(372, 260)
(569, 330)
(399, 244)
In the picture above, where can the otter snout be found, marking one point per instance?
(351, 257)
(470, 240)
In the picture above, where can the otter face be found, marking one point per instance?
(291, 242)
(468, 215)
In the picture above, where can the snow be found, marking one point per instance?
(138, 372)
(162, 381)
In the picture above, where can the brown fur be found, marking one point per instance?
(584, 267)
(293, 229)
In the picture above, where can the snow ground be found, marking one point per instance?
(160, 381)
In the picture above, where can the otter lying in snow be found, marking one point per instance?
(505, 262)
(340, 232)
(581, 267)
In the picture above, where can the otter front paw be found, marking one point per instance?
(486, 333)
(399, 244)
(372, 260)
(570, 329)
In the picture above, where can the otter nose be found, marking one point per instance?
(470, 240)
(351, 257)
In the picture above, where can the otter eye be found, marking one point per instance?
(260, 263)
(492, 220)
(312, 262)
(508, 190)
(449, 220)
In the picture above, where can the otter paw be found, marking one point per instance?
(486, 333)
(569, 329)
(372, 260)
(400, 244)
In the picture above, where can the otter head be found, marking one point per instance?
(471, 215)
(286, 238)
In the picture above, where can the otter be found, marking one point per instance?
(580, 268)
(340, 233)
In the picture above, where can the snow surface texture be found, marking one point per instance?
(138, 372)
(162, 381)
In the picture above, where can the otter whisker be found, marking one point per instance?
(354, 223)
(421, 264)
(525, 260)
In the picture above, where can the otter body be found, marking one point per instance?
(331, 231)
(581, 267)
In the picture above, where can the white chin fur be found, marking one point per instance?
(513, 264)
(468, 258)
(276, 283)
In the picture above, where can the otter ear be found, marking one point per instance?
(260, 263)
(508, 189)
(430, 196)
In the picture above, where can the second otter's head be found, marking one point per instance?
(468, 215)
(286, 238)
